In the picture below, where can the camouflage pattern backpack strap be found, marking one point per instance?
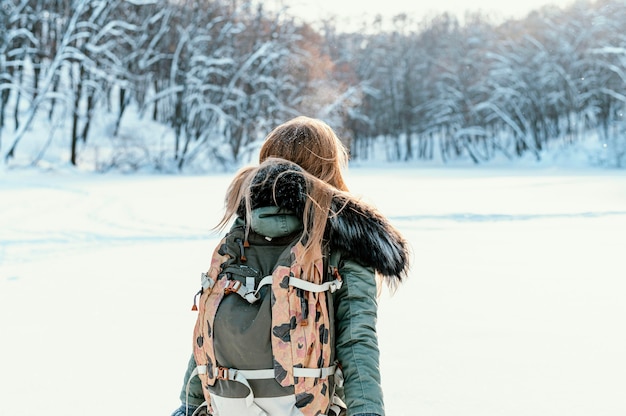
(301, 342)
(210, 298)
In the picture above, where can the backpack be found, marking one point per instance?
(264, 336)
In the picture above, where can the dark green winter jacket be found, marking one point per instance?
(364, 242)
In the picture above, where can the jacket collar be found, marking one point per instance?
(274, 222)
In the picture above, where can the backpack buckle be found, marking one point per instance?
(221, 373)
(233, 286)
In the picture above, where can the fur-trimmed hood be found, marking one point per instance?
(358, 229)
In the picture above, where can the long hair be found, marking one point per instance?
(311, 144)
(315, 152)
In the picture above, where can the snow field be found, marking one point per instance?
(514, 305)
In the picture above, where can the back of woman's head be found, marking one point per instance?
(311, 144)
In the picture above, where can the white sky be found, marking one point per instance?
(314, 9)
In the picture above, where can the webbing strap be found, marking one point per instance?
(242, 376)
(239, 376)
(206, 281)
(224, 373)
(253, 295)
(194, 373)
(331, 286)
(337, 405)
(314, 372)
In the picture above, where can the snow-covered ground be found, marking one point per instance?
(515, 304)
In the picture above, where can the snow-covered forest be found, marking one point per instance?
(187, 85)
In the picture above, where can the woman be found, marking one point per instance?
(298, 189)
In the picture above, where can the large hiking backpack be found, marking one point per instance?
(264, 336)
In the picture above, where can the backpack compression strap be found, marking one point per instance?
(242, 376)
(252, 295)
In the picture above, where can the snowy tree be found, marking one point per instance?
(218, 75)
(17, 43)
(224, 79)
(73, 32)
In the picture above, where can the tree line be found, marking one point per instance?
(220, 74)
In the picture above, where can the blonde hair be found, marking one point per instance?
(311, 144)
(309, 148)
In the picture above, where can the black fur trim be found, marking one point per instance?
(366, 235)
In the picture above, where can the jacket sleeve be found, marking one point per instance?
(356, 339)
(196, 396)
